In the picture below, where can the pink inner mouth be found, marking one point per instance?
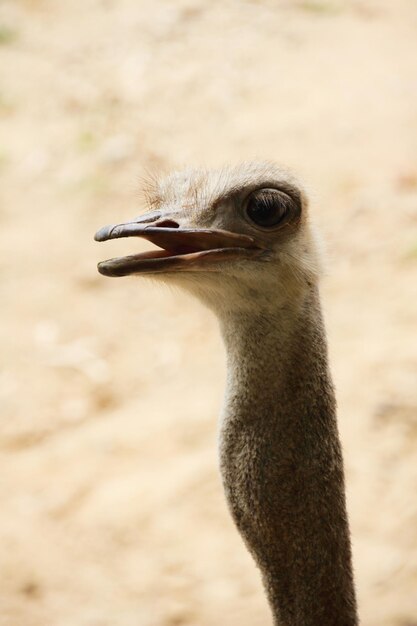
(162, 253)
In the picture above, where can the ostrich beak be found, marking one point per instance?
(181, 249)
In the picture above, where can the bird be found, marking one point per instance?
(240, 238)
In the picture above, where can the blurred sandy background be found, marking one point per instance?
(112, 511)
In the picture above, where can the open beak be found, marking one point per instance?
(181, 249)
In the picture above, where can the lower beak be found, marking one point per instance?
(181, 250)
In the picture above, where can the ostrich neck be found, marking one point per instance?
(281, 462)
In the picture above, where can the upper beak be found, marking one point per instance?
(183, 249)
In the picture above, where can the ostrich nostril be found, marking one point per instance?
(167, 224)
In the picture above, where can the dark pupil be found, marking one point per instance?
(268, 207)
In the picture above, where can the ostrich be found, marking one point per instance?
(240, 239)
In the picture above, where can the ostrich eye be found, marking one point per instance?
(269, 207)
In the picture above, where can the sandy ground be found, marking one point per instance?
(112, 511)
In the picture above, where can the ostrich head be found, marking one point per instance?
(233, 235)
(240, 239)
